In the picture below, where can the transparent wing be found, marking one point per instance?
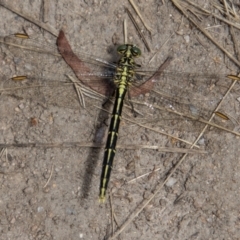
(163, 98)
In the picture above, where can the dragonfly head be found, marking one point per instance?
(129, 49)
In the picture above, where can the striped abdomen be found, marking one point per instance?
(123, 77)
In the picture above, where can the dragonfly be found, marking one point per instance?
(123, 78)
(171, 99)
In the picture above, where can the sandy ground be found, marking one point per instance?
(52, 193)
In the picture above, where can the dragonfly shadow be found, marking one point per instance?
(94, 153)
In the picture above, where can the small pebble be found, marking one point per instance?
(40, 209)
(28, 190)
(21, 106)
(186, 38)
(171, 182)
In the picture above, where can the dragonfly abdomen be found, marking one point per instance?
(111, 142)
(123, 77)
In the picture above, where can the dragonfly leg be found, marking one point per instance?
(108, 98)
(131, 104)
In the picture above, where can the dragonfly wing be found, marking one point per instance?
(45, 73)
(182, 101)
(84, 73)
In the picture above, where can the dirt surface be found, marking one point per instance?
(52, 193)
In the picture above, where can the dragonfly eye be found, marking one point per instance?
(136, 52)
(122, 49)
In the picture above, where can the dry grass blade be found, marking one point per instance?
(163, 149)
(2, 151)
(140, 16)
(125, 33)
(82, 91)
(91, 145)
(143, 175)
(49, 177)
(138, 30)
(29, 48)
(112, 211)
(33, 86)
(78, 91)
